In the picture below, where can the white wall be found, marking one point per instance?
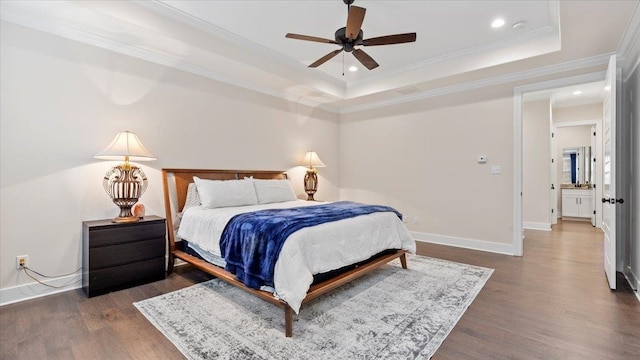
(62, 102)
(420, 157)
(536, 147)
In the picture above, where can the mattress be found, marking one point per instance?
(308, 251)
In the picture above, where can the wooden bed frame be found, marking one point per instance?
(180, 179)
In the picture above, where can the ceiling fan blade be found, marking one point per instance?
(310, 38)
(325, 58)
(390, 39)
(354, 21)
(365, 59)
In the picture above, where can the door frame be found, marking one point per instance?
(597, 149)
(518, 91)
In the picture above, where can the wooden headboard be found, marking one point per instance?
(176, 182)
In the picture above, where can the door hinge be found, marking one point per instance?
(594, 133)
(552, 211)
(553, 187)
(552, 134)
(594, 212)
(552, 160)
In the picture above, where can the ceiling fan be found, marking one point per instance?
(350, 36)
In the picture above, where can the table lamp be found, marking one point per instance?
(311, 178)
(125, 183)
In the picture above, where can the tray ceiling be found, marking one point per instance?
(243, 42)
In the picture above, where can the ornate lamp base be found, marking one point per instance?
(311, 183)
(125, 184)
(127, 219)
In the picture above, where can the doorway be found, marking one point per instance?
(562, 155)
(519, 148)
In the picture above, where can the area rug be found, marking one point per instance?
(391, 313)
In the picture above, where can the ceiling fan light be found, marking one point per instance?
(353, 68)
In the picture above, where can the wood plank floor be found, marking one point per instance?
(553, 303)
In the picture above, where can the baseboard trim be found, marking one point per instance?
(473, 244)
(536, 226)
(34, 290)
(633, 280)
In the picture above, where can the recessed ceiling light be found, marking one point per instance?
(497, 23)
(353, 68)
(577, 92)
(519, 25)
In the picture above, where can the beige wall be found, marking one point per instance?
(577, 113)
(421, 158)
(62, 102)
(536, 159)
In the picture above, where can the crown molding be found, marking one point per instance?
(553, 29)
(478, 84)
(68, 31)
(629, 46)
(183, 17)
(30, 18)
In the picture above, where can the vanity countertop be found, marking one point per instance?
(570, 186)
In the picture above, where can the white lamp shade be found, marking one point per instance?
(312, 160)
(125, 144)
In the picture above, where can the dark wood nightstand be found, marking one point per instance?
(118, 256)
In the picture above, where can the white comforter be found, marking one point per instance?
(308, 251)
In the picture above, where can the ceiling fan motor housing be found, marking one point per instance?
(348, 44)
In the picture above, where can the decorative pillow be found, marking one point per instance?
(225, 193)
(273, 191)
(193, 198)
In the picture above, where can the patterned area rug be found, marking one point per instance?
(391, 313)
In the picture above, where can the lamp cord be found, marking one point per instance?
(26, 271)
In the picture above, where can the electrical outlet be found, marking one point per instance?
(22, 260)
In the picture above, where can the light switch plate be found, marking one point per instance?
(496, 169)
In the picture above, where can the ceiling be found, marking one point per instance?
(583, 94)
(243, 42)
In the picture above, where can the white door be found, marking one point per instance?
(553, 192)
(609, 172)
(592, 176)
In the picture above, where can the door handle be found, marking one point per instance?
(613, 201)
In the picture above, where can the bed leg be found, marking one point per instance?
(403, 260)
(170, 263)
(288, 321)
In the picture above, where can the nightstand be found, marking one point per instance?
(116, 256)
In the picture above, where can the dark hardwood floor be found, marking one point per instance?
(553, 303)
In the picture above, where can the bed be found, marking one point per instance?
(296, 281)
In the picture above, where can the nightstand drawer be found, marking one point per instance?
(107, 256)
(120, 277)
(112, 236)
(116, 256)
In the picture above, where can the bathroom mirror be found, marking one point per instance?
(577, 165)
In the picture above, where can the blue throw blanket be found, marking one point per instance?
(251, 242)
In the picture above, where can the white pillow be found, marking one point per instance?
(193, 198)
(273, 191)
(225, 193)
